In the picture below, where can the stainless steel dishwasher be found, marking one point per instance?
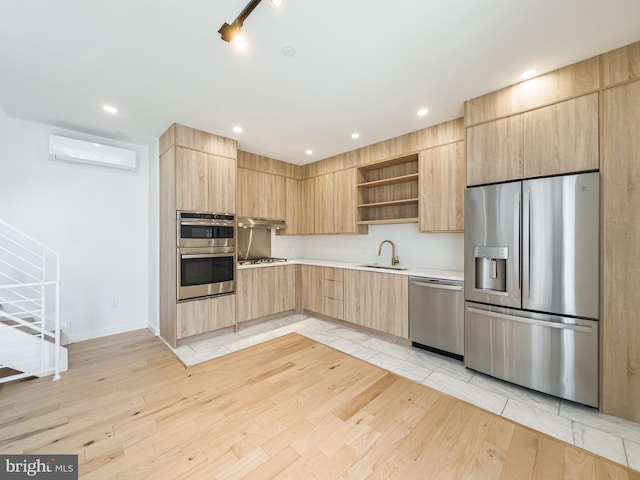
(436, 315)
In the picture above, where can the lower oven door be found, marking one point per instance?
(201, 274)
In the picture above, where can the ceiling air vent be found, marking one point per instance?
(79, 151)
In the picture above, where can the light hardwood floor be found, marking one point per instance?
(289, 408)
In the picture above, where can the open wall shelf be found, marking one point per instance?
(388, 191)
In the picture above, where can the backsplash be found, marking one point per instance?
(443, 251)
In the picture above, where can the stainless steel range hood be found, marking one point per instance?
(251, 222)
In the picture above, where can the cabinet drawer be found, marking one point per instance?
(333, 308)
(333, 289)
(330, 273)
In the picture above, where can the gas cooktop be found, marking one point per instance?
(256, 261)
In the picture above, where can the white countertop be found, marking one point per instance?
(410, 271)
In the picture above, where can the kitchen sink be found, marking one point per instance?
(384, 267)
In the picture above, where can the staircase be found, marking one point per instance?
(29, 308)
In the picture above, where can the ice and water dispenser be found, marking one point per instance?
(491, 268)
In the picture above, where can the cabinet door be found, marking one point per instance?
(311, 285)
(343, 184)
(265, 291)
(221, 173)
(206, 315)
(204, 182)
(620, 255)
(261, 194)
(191, 180)
(377, 300)
(324, 214)
(299, 207)
(495, 151)
(335, 208)
(562, 138)
(442, 182)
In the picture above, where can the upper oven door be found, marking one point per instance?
(204, 232)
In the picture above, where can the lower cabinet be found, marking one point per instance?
(379, 301)
(202, 316)
(332, 292)
(265, 291)
(322, 290)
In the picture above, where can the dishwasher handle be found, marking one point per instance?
(439, 286)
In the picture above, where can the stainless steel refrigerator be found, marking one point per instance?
(532, 284)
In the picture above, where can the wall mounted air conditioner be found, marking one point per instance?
(79, 151)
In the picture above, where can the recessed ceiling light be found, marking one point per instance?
(355, 135)
(277, 3)
(528, 74)
(309, 152)
(237, 129)
(422, 112)
(109, 109)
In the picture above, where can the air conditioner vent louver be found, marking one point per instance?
(82, 152)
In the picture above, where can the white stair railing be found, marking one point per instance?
(29, 306)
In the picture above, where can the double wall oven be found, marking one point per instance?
(205, 254)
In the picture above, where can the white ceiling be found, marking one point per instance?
(361, 65)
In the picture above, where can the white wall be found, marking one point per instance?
(443, 251)
(98, 220)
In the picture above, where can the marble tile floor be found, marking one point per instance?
(585, 427)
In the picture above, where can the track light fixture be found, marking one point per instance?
(230, 32)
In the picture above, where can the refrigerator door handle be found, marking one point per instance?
(526, 243)
(516, 244)
(532, 321)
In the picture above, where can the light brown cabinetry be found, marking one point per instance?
(204, 182)
(299, 207)
(335, 203)
(495, 151)
(442, 182)
(562, 138)
(620, 255)
(310, 285)
(556, 139)
(265, 291)
(322, 290)
(333, 292)
(388, 191)
(197, 172)
(379, 301)
(205, 315)
(260, 194)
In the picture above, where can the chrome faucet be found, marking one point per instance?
(394, 259)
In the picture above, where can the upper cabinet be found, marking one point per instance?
(442, 182)
(556, 139)
(299, 201)
(261, 195)
(204, 182)
(388, 191)
(335, 203)
(495, 151)
(562, 138)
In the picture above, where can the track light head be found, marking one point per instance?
(230, 32)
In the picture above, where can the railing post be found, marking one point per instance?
(56, 373)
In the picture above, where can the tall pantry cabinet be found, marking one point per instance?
(197, 173)
(620, 255)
